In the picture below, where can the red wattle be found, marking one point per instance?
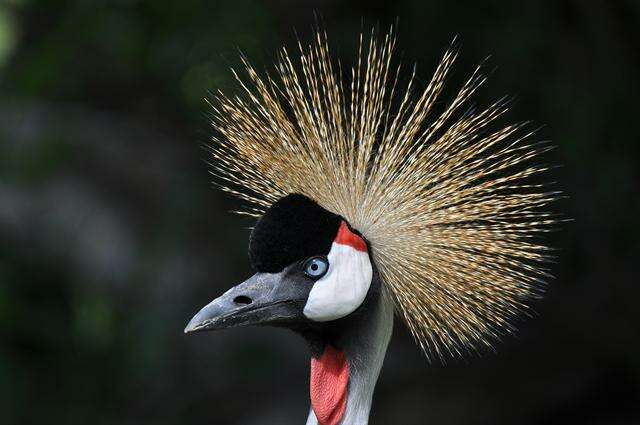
(329, 381)
(347, 237)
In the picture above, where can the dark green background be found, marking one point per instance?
(111, 235)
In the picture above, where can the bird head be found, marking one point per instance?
(312, 269)
(364, 185)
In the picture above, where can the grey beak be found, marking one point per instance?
(263, 299)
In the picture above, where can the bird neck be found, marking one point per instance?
(345, 366)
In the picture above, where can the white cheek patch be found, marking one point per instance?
(347, 281)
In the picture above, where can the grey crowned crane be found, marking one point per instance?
(373, 199)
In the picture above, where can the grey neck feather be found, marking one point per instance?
(365, 348)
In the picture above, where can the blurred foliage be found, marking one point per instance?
(112, 236)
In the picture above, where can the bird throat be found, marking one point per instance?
(329, 385)
(346, 358)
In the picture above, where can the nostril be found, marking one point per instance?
(242, 300)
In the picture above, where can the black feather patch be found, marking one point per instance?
(293, 228)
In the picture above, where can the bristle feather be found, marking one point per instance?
(447, 206)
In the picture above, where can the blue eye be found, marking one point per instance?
(316, 267)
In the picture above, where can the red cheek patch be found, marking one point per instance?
(328, 387)
(347, 237)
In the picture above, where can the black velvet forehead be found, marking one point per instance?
(293, 228)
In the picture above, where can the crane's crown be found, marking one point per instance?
(449, 208)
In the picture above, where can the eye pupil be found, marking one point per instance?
(314, 267)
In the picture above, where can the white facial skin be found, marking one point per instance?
(343, 288)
